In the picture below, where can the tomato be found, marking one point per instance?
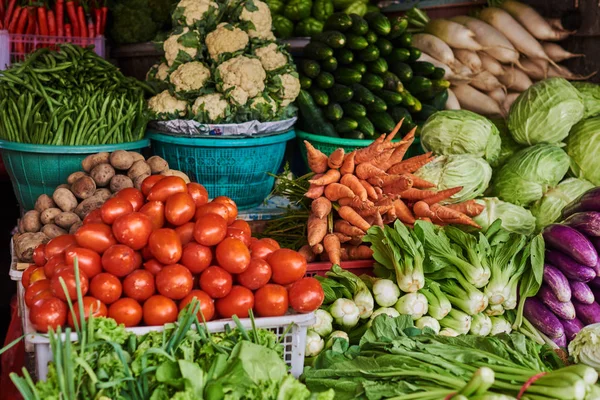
(238, 302)
(231, 207)
(262, 249)
(27, 273)
(113, 208)
(133, 196)
(120, 260)
(180, 208)
(58, 245)
(34, 289)
(48, 313)
(237, 233)
(256, 275)
(196, 257)
(94, 217)
(88, 260)
(210, 229)
(271, 301)
(306, 295)
(147, 254)
(153, 266)
(174, 281)
(44, 294)
(213, 208)
(198, 193)
(133, 230)
(139, 285)
(207, 305)
(243, 225)
(39, 255)
(106, 287)
(94, 236)
(185, 232)
(165, 246)
(53, 264)
(166, 187)
(149, 182)
(155, 210)
(253, 240)
(68, 275)
(126, 311)
(216, 282)
(233, 255)
(271, 242)
(288, 266)
(91, 306)
(159, 310)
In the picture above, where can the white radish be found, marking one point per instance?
(533, 69)
(433, 46)
(461, 69)
(515, 79)
(556, 24)
(557, 53)
(508, 101)
(455, 34)
(531, 20)
(449, 74)
(485, 81)
(499, 95)
(490, 64)
(468, 58)
(473, 100)
(452, 102)
(564, 72)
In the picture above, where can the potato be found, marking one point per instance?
(102, 174)
(31, 221)
(138, 168)
(119, 182)
(104, 194)
(84, 187)
(92, 160)
(26, 243)
(53, 231)
(74, 227)
(43, 202)
(64, 186)
(174, 172)
(21, 225)
(137, 182)
(136, 156)
(64, 199)
(66, 219)
(75, 176)
(121, 159)
(49, 214)
(90, 204)
(157, 164)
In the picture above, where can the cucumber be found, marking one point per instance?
(438, 73)
(415, 108)
(392, 82)
(390, 98)
(317, 51)
(385, 47)
(312, 116)
(408, 99)
(379, 66)
(340, 93)
(347, 76)
(439, 101)
(325, 80)
(305, 82)
(399, 55)
(363, 95)
(334, 112)
(418, 84)
(383, 122)
(370, 53)
(377, 106)
(423, 68)
(440, 84)
(354, 135)
(398, 26)
(372, 81)
(360, 26)
(404, 40)
(338, 21)
(329, 64)
(359, 66)
(366, 127)
(345, 125)
(310, 68)
(371, 37)
(355, 42)
(426, 112)
(378, 23)
(415, 54)
(402, 71)
(333, 39)
(399, 113)
(344, 56)
(320, 96)
(426, 95)
(354, 110)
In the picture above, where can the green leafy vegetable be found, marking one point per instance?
(582, 146)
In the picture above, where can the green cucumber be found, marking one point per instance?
(372, 81)
(355, 42)
(415, 54)
(438, 73)
(333, 39)
(399, 25)
(378, 23)
(344, 56)
(366, 127)
(363, 95)
(392, 82)
(404, 40)
(310, 68)
(440, 84)
(402, 71)
(371, 37)
(418, 84)
(305, 82)
(317, 51)
(360, 26)
(347, 76)
(340, 93)
(370, 53)
(439, 101)
(329, 64)
(338, 21)
(379, 66)
(383, 122)
(390, 98)
(423, 68)
(320, 96)
(399, 55)
(400, 113)
(359, 66)
(325, 80)
(426, 112)
(385, 47)
(377, 106)
(354, 110)
(334, 112)
(312, 116)
(345, 125)
(354, 135)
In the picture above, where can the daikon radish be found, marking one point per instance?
(531, 20)
(452, 102)
(557, 53)
(486, 82)
(450, 74)
(510, 99)
(468, 58)
(564, 72)
(499, 95)
(461, 69)
(490, 64)
(453, 33)
(533, 69)
(556, 24)
(473, 100)
(515, 79)
(433, 46)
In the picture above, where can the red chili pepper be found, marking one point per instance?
(9, 11)
(104, 15)
(60, 16)
(81, 22)
(98, 15)
(73, 17)
(51, 23)
(42, 21)
(91, 28)
(68, 30)
(12, 26)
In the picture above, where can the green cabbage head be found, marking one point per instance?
(585, 347)
(591, 98)
(514, 218)
(508, 147)
(545, 112)
(461, 132)
(470, 172)
(529, 174)
(583, 146)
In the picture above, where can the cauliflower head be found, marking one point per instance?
(214, 105)
(194, 10)
(226, 39)
(159, 72)
(290, 89)
(258, 13)
(172, 46)
(245, 75)
(270, 57)
(190, 76)
(166, 104)
(263, 107)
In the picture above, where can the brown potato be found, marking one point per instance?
(43, 202)
(74, 227)
(137, 182)
(102, 174)
(103, 193)
(66, 219)
(138, 168)
(49, 214)
(53, 231)
(21, 226)
(174, 172)
(84, 187)
(64, 186)
(88, 205)
(137, 156)
(121, 159)
(64, 199)
(75, 176)
(26, 243)
(119, 182)
(157, 164)
(92, 160)
(31, 221)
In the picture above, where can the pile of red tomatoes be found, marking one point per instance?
(144, 255)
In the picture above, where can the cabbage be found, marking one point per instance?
(583, 145)
(591, 98)
(545, 112)
(585, 347)
(529, 174)
(547, 209)
(461, 132)
(470, 172)
(508, 147)
(514, 218)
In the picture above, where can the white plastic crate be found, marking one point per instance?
(16, 275)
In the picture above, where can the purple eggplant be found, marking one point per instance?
(594, 284)
(587, 222)
(587, 313)
(588, 201)
(582, 292)
(563, 310)
(597, 267)
(561, 341)
(557, 282)
(572, 328)
(571, 269)
(571, 242)
(542, 318)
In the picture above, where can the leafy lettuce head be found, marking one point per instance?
(514, 218)
(583, 146)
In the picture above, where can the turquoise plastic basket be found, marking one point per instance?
(233, 167)
(36, 169)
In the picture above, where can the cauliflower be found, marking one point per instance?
(270, 57)
(290, 89)
(194, 10)
(258, 101)
(245, 75)
(165, 103)
(214, 104)
(263, 107)
(190, 76)
(226, 39)
(172, 47)
(260, 18)
(158, 72)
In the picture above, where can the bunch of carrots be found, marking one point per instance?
(372, 186)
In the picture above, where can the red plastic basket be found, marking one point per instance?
(356, 267)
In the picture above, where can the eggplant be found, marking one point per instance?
(561, 341)
(542, 318)
(587, 313)
(582, 292)
(557, 282)
(571, 242)
(589, 201)
(571, 269)
(563, 310)
(587, 222)
(594, 284)
(572, 328)
(595, 242)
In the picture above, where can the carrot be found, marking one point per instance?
(372, 211)
(392, 134)
(470, 208)
(375, 181)
(353, 218)
(91, 28)
(342, 238)
(378, 219)
(32, 26)
(421, 209)
(420, 183)
(98, 15)
(381, 160)
(367, 153)
(336, 191)
(51, 23)
(336, 159)
(367, 170)
(12, 27)
(403, 183)
(316, 229)
(60, 17)
(104, 15)
(331, 176)
(317, 248)
(72, 17)
(354, 184)
(442, 195)
(410, 165)
(387, 180)
(400, 151)
(68, 33)
(346, 201)
(332, 246)
(315, 191)
(345, 228)
(348, 165)
(20, 30)
(81, 22)
(361, 252)
(317, 161)
(358, 204)
(416, 194)
(42, 21)
(307, 252)
(448, 215)
(356, 241)
(321, 207)
(8, 17)
(379, 192)
(371, 193)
